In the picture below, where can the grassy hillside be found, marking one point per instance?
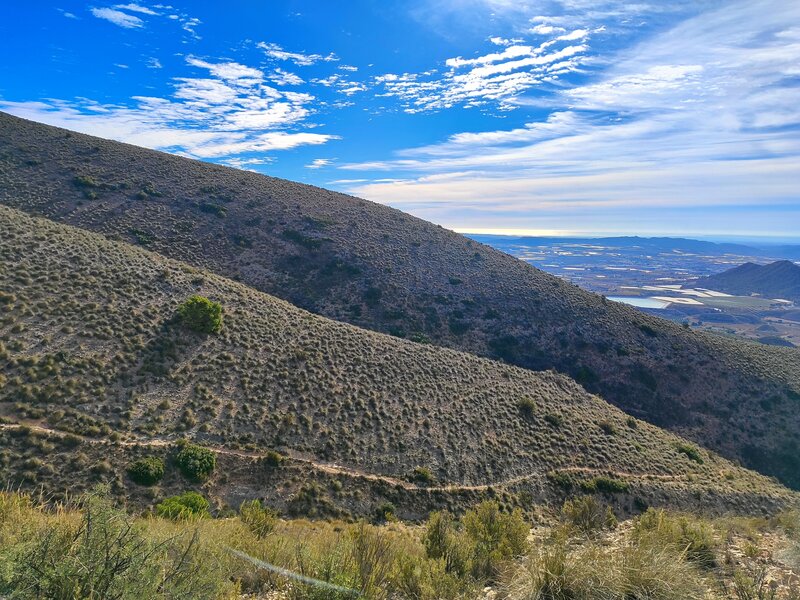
(91, 346)
(378, 268)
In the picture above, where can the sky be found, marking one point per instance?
(573, 117)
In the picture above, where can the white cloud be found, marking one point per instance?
(230, 71)
(494, 79)
(278, 53)
(318, 163)
(281, 77)
(246, 164)
(154, 63)
(118, 17)
(542, 29)
(225, 115)
(189, 24)
(701, 116)
(501, 41)
(136, 8)
(577, 34)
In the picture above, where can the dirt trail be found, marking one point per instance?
(334, 469)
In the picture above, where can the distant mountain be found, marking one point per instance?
(780, 279)
(651, 244)
(377, 268)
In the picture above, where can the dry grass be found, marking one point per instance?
(45, 548)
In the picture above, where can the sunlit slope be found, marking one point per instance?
(91, 345)
(363, 263)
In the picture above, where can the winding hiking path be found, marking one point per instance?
(335, 469)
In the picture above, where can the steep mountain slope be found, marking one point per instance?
(378, 268)
(780, 279)
(90, 344)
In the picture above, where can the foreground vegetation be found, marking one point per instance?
(90, 549)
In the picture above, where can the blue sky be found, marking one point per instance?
(548, 116)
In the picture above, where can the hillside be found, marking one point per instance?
(375, 267)
(780, 279)
(99, 370)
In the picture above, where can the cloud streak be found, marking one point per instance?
(227, 114)
(700, 117)
(117, 17)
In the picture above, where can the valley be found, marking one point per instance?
(666, 277)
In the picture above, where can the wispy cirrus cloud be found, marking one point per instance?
(491, 79)
(229, 113)
(275, 51)
(117, 17)
(318, 163)
(133, 15)
(701, 117)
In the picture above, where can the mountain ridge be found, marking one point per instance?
(375, 267)
(91, 348)
(779, 279)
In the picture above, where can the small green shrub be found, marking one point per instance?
(385, 512)
(273, 458)
(422, 476)
(261, 520)
(107, 554)
(605, 485)
(195, 462)
(691, 451)
(608, 427)
(213, 209)
(526, 407)
(84, 181)
(554, 420)
(689, 535)
(496, 537)
(189, 505)
(146, 471)
(565, 481)
(200, 314)
(587, 515)
(443, 541)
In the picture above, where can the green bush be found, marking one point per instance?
(608, 427)
(386, 512)
(587, 515)
(422, 476)
(261, 520)
(496, 537)
(273, 458)
(605, 485)
(189, 505)
(146, 471)
(107, 554)
(692, 536)
(200, 314)
(443, 541)
(554, 420)
(527, 407)
(195, 462)
(692, 452)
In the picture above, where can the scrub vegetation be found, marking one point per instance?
(377, 268)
